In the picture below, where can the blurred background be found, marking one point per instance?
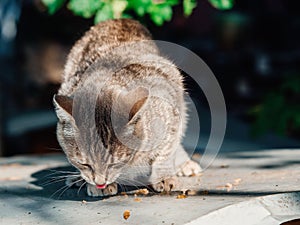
(252, 46)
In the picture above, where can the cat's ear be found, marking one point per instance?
(134, 100)
(63, 105)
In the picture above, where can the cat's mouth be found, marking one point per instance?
(101, 186)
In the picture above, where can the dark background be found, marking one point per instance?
(249, 48)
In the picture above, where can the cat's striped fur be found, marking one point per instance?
(140, 113)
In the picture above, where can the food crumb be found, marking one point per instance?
(124, 194)
(205, 192)
(229, 187)
(191, 192)
(143, 191)
(137, 199)
(237, 181)
(126, 214)
(181, 196)
(224, 166)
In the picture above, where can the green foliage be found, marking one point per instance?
(85, 8)
(53, 5)
(104, 13)
(222, 4)
(188, 6)
(280, 109)
(159, 11)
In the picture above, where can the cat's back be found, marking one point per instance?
(98, 41)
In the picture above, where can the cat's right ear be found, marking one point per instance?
(63, 106)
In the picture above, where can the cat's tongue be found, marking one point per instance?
(101, 186)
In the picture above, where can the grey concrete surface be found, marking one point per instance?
(235, 181)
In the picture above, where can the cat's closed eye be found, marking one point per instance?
(85, 166)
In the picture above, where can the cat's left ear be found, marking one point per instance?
(134, 100)
(63, 106)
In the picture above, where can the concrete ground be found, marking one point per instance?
(231, 191)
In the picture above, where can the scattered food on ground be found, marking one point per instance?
(191, 192)
(181, 196)
(224, 166)
(137, 199)
(228, 187)
(126, 214)
(237, 181)
(143, 191)
(124, 194)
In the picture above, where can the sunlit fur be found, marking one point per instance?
(106, 159)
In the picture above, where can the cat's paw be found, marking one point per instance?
(93, 191)
(166, 185)
(77, 181)
(188, 168)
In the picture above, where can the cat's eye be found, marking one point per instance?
(87, 166)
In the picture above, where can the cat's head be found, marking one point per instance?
(98, 147)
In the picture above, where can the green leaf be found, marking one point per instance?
(53, 5)
(222, 4)
(139, 6)
(105, 13)
(172, 2)
(159, 13)
(85, 8)
(118, 7)
(188, 6)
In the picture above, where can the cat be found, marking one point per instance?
(132, 132)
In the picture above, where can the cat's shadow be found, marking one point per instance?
(52, 184)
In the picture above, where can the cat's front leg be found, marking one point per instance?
(93, 191)
(166, 185)
(184, 165)
(188, 168)
(163, 177)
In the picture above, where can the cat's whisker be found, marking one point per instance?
(122, 187)
(53, 181)
(60, 173)
(63, 171)
(59, 190)
(63, 189)
(58, 179)
(66, 176)
(69, 186)
(81, 186)
(55, 149)
(135, 183)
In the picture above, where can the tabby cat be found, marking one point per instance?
(121, 111)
